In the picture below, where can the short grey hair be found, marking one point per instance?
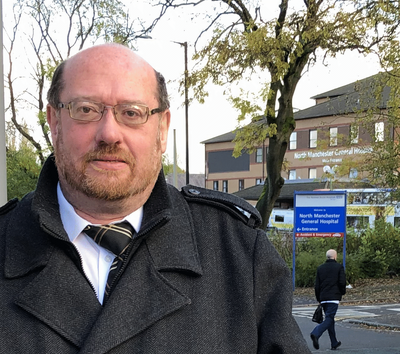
(56, 86)
(331, 254)
(163, 99)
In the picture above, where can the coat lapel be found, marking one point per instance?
(61, 297)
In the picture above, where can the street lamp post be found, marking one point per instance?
(184, 45)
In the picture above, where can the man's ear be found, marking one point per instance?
(165, 121)
(53, 121)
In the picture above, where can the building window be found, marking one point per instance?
(293, 141)
(259, 181)
(353, 173)
(223, 162)
(259, 155)
(292, 174)
(379, 136)
(312, 173)
(354, 133)
(241, 184)
(358, 222)
(215, 185)
(225, 186)
(313, 138)
(333, 136)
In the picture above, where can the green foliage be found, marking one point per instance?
(22, 172)
(378, 252)
(306, 267)
(252, 136)
(49, 68)
(310, 253)
(353, 269)
(369, 254)
(168, 166)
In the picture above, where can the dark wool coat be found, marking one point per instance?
(330, 283)
(201, 279)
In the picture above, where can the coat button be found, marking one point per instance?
(194, 191)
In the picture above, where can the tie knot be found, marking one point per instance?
(114, 237)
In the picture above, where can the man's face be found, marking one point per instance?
(106, 159)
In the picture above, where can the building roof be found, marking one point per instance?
(355, 86)
(342, 100)
(351, 98)
(306, 185)
(227, 137)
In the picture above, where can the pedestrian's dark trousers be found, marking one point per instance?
(328, 324)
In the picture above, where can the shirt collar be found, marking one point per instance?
(74, 224)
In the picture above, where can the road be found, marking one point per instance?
(352, 331)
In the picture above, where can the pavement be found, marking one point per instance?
(381, 315)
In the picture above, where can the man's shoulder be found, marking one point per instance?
(223, 201)
(9, 206)
(16, 205)
(330, 265)
(6, 212)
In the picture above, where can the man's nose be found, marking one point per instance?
(109, 129)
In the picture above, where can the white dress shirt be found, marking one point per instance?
(96, 260)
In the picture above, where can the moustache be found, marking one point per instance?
(109, 151)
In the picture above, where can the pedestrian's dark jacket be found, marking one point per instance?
(330, 283)
(201, 279)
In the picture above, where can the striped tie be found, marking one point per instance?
(116, 238)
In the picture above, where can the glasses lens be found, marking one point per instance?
(131, 114)
(88, 111)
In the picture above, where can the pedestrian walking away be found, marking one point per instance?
(106, 257)
(330, 286)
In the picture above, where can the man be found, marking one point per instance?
(195, 275)
(330, 285)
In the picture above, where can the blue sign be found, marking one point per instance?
(320, 214)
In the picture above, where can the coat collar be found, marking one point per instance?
(59, 294)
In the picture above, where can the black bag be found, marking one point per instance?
(318, 316)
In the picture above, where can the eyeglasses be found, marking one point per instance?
(127, 113)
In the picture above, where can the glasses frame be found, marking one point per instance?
(112, 108)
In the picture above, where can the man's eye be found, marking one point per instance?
(87, 109)
(132, 113)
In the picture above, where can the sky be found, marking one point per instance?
(216, 116)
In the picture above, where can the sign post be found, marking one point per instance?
(319, 214)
